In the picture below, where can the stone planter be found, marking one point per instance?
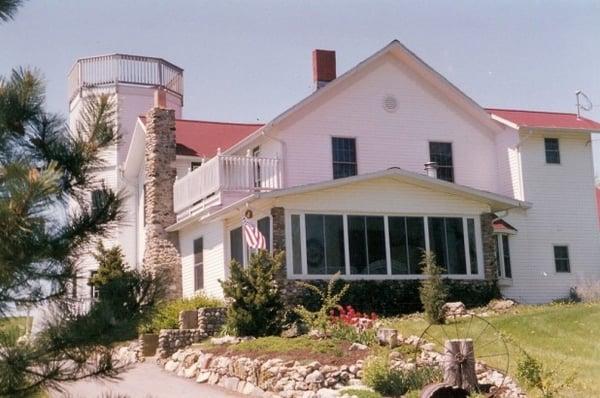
(149, 343)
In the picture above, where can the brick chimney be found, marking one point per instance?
(323, 67)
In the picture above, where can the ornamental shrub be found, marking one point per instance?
(398, 297)
(378, 375)
(166, 314)
(432, 292)
(256, 307)
(329, 302)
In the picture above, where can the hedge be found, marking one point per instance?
(397, 297)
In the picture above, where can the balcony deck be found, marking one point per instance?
(203, 187)
(106, 70)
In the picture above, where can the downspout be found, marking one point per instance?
(134, 185)
(518, 148)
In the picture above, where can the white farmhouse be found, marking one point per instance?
(376, 165)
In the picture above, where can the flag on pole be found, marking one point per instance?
(254, 238)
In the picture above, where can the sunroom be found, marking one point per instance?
(372, 226)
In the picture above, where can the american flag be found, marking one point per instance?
(254, 238)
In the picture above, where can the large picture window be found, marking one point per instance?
(324, 244)
(366, 240)
(376, 245)
(407, 242)
(446, 241)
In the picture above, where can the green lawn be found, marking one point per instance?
(563, 337)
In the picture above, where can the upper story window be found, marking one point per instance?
(441, 154)
(561, 258)
(195, 165)
(198, 264)
(552, 150)
(344, 157)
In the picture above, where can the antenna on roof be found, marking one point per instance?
(587, 106)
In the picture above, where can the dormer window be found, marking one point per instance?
(344, 157)
(552, 150)
(441, 154)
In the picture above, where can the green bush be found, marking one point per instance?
(398, 297)
(432, 292)
(342, 331)
(256, 301)
(166, 314)
(394, 382)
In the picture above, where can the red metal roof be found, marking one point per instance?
(203, 138)
(501, 225)
(549, 120)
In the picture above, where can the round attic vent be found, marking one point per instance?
(390, 103)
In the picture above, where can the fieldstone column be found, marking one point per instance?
(161, 252)
(489, 246)
(278, 217)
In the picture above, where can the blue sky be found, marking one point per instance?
(249, 60)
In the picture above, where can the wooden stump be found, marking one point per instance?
(459, 364)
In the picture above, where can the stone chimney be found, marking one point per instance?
(161, 251)
(323, 67)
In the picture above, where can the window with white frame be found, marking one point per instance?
(552, 150)
(238, 250)
(503, 256)
(561, 258)
(377, 245)
(198, 264)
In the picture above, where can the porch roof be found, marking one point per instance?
(496, 201)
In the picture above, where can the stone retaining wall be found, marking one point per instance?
(193, 327)
(211, 320)
(170, 340)
(265, 377)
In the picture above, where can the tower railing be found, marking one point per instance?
(127, 69)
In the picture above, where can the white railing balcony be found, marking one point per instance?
(224, 173)
(127, 69)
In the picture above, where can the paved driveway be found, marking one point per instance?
(145, 380)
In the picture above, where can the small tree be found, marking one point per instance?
(330, 301)
(256, 307)
(432, 291)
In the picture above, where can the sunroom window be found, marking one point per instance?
(407, 242)
(324, 244)
(378, 245)
(366, 241)
(447, 242)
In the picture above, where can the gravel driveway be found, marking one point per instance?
(145, 380)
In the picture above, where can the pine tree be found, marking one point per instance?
(46, 169)
(111, 265)
(256, 307)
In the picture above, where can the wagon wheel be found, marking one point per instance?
(488, 343)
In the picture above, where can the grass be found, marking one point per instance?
(360, 393)
(280, 345)
(19, 323)
(563, 337)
